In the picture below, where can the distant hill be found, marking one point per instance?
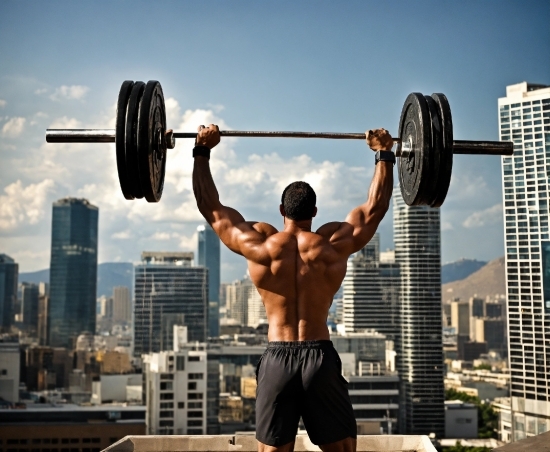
(488, 280)
(455, 271)
(109, 275)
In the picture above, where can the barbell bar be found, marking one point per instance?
(425, 143)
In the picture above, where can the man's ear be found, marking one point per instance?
(282, 210)
(314, 212)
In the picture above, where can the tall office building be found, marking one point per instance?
(209, 257)
(29, 306)
(9, 271)
(419, 345)
(371, 292)
(245, 304)
(122, 305)
(73, 271)
(524, 117)
(169, 291)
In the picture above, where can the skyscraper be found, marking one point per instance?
(245, 303)
(168, 291)
(73, 271)
(9, 271)
(209, 257)
(371, 292)
(524, 117)
(419, 345)
(29, 306)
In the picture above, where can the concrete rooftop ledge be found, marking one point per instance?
(248, 443)
(539, 443)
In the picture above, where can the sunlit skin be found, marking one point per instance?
(297, 271)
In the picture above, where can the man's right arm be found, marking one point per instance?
(361, 223)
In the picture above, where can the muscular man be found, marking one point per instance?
(297, 272)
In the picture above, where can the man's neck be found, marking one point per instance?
(294, 226)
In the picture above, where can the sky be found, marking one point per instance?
(250, 65)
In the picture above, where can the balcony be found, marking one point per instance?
(248, 443)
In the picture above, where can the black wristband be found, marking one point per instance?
(384, 156)
(203, 151)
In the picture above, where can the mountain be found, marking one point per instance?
(109, 275)
(455, 271)
(489, 280)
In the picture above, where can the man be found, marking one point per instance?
(297, 272)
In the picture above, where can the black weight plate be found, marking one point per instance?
(445, 170)
(151, 142)
(120, 129)
(413, 167)
(130, 139)
(436, 153)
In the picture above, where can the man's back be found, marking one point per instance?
(297, 280)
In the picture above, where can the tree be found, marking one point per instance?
(487, 418)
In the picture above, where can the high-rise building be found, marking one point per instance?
(209, 257)
(29, 306)
(419, 345)
(9, 271)
(245, 304)
(43, 301)
(524, 118)
(73, 271)
(122, 304)
(460, 317)
(371, 292)
(169, 291)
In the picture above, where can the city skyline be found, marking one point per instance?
(299, 78)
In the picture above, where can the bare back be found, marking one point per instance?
(298, 283)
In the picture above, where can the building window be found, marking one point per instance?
(167, 396)
(194, 396)
(166, 385)
(166, 376)
(194, 358)
(192, 386)
(194, 414)
(196, 405)
(181, 405)
(166, 405)
(180, 363)
(194, 423)
(166, 423)
(194, 431)
(166, 414)
(198, 376)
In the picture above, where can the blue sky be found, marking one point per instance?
(308, 65)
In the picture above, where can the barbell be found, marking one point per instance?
(425, 143)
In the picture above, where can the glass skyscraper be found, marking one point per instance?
(419, 345)
(168, 291)
(524, 118)
(73, 271)
(209, 257)
(9, 270)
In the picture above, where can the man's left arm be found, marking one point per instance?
(240, 236)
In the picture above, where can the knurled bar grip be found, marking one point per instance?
(108, 136)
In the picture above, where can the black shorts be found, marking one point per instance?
(302, 379)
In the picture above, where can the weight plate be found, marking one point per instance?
(414, 164)
(151, 142)
(120, 127)
(437, 155)
(446, 168)
(130, 139)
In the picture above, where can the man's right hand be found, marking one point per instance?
(208, 136)
(379, 140)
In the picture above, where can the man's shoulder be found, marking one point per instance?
(328, 229)
(264, 228)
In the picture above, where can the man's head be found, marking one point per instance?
(298, 201)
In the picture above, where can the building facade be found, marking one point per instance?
(175, 392)
(244, 303)
(371, 292)
(524, 118)
(169, 291)
(209, 257)
(9, 271)
(122, 304)
(29, 307)
(73, 271)
(419, 345)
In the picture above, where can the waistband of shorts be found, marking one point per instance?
(300, 344)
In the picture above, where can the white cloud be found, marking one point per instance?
(24, 205)
(2, 103)
(14, 127)
(40, 91)
(73, 92)
(491, 215)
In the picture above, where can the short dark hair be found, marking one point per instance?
(299, 201)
